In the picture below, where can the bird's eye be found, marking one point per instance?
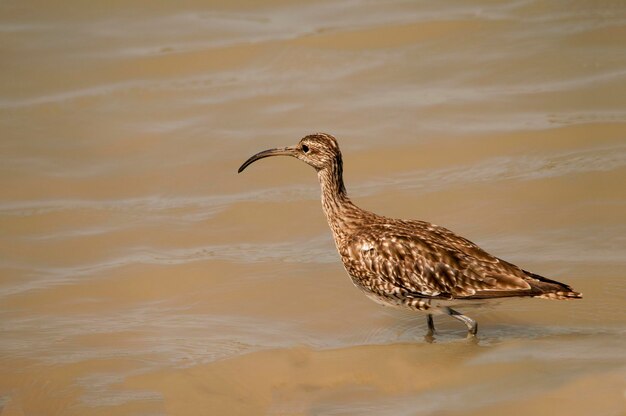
(305, 148)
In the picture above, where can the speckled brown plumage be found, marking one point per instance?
(409, 263)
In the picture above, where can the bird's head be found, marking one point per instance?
(319, 150)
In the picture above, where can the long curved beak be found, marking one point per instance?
(285, 151)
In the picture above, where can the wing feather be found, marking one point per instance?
(431, 261)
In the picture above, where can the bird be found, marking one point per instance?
(410, 264)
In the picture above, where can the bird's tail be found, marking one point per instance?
(551, 289)
(561, 295)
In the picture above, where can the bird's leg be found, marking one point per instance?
(431, 324)
(431, 329)
(472, 326)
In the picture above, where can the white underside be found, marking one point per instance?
(436, 306)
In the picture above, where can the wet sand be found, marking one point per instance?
(142, 276)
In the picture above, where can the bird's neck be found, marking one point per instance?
(340, 212)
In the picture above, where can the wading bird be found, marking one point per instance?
(409, 263)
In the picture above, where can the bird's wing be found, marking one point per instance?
(429, 261)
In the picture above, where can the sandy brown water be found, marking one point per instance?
(140, 275)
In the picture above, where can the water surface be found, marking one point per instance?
(141, 275)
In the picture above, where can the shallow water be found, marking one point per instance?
(141, 275)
